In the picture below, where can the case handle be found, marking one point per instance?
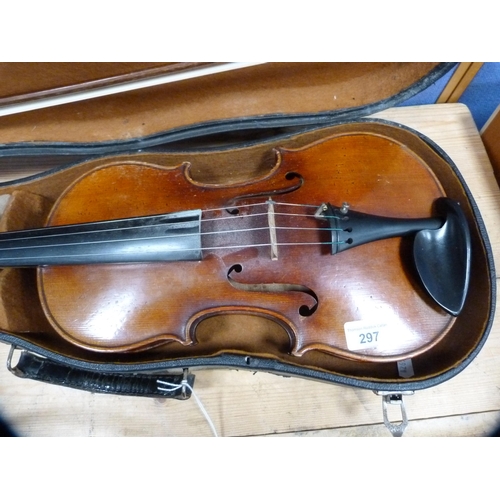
(152, 385)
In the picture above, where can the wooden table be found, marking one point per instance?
(244, 403)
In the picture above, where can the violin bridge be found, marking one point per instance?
(271, 221)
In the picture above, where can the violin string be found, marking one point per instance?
(230, 217)
(265, 204)
(255, 245)
(4, 260)
(266, 228)
(147, 238)
(260, 204)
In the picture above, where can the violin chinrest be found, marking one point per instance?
(443, 258)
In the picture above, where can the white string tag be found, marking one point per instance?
(169, 387)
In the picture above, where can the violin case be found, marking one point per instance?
(228, 126)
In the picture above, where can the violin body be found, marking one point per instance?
(124, 307)
(271, 295)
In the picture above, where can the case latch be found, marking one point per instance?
(396, 428)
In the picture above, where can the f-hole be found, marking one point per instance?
(289, 176)
(304, 310)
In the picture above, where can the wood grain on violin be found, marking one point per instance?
(260, 248)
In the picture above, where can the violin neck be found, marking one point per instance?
(170, 237)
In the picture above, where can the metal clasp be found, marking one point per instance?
(12, 369)
(397, 427)
(185, 384)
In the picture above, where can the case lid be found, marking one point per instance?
(261, 96)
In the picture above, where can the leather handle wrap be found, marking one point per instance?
(157, 386)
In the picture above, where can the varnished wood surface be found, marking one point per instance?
(120, 308)
(245, 403)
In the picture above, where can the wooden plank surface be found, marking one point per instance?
(242, 403)
(459, 81)
(490, 134)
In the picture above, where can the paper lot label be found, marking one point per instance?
(365, 334)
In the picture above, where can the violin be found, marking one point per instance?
(334, 243)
